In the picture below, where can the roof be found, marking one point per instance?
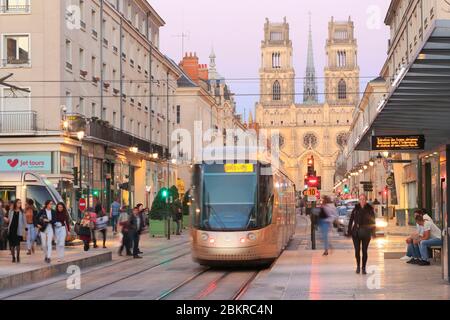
(183, 81)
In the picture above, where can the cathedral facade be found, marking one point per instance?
(309, 128)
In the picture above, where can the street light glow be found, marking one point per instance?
(80, 135)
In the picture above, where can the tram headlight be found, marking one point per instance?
(204, 237)
(251, 236)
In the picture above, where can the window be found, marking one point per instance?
(16, 50)
(276, 36)
(114, 119)
(15, 6)
(94, 23)
(69, 55)
(69, 101)
(276, 60)
(342, 90)
(341, 59)
(93, 110)
(81, 106)
(103, 115)
(94, 66)
(310, 141)
(81, 58)
(276, 91)
(178, 114)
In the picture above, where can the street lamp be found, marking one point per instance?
(134, 149)
(371, 163)
(80, 135)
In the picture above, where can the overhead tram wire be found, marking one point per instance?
(182, 95)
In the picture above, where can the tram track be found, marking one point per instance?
(102, 267)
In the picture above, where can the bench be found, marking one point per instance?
(436, 251)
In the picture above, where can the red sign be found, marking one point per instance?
(82, 205)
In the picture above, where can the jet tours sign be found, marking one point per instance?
(398, 143)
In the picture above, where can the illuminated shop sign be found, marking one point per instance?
(398, 143)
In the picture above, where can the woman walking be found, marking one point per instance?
(362, 227)
(86, 227)
(125, 225)
(16, 229)
(31, 216)
(328, 214)
(62, 227)
(47, 219)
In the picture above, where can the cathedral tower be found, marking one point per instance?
(277, 73)
(310, 87)
(342, 70)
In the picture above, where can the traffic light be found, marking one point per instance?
(311, 171)
(75, 176)
(346, 189)
(385, 192)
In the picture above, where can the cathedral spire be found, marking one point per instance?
(310, 86)
(212, 65)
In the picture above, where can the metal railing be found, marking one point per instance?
(10, 8)
(18, 122)
(13, 62)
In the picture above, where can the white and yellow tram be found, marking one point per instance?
(242, 212)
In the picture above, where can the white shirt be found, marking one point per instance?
(49, 214)
(435, 232)
(419, 227)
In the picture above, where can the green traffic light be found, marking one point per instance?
(165, 193)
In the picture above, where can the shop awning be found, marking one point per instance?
(420, 104)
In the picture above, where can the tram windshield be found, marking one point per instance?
(229, 198)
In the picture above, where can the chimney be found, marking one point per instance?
(190, 66)
(203, 72)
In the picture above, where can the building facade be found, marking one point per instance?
(311, 128)
(101, 96)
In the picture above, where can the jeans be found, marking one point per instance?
(178, 222)
(60, 237)
(361, 240)
(46, 241)
(125, 243)
(94, 238)
(31, 236)
(413, 251)
(114, 220)
(425, 244)
(325, 230)
(103, 232)
(135, 238)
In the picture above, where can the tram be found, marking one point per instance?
(242, 211)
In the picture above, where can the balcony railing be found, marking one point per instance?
(16, 122)
(13, 62)
(102, 131)
(15, 8)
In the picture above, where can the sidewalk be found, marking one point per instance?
(303, 274)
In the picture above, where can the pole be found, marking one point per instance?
(168, 157)
(313, 227)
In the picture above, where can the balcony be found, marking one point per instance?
(104, 132)
(15, 63)
(17, 122)
(11, 9)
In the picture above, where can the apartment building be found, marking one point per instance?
(101, 96)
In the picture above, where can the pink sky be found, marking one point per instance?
(235, 29)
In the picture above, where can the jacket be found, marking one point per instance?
(362, 218)
(63, 219)
(133, 227)
(42, 216)
(21, 228)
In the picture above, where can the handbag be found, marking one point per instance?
(84, 231)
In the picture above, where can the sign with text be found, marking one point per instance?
(398, 143)
(41, 162)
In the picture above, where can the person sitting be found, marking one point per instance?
(413, 253)
(432, 237)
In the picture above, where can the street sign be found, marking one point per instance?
(311, 192)
(82, 205)
(398, 143)
(399, 161)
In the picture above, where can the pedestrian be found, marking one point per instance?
(177, 215)
(62, 228)
(135, 227)
(31, 214)
(98, 209)
(101, 225)
(328, 214)
(17, 225)
(142, 214)
(431, 237)
(362, 228)
(46, 222)
(85, 232)
(3, 227)
(114, 214)
(124, 223)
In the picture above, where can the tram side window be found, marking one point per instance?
(265, 200)
(39, 194)
(8, 193)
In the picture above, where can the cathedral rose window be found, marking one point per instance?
(310, 141)
(341, 139)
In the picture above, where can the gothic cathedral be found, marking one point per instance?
(310, 128)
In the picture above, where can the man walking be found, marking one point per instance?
(135, 228)
(114, 214)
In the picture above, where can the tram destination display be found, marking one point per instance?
(398, 143)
